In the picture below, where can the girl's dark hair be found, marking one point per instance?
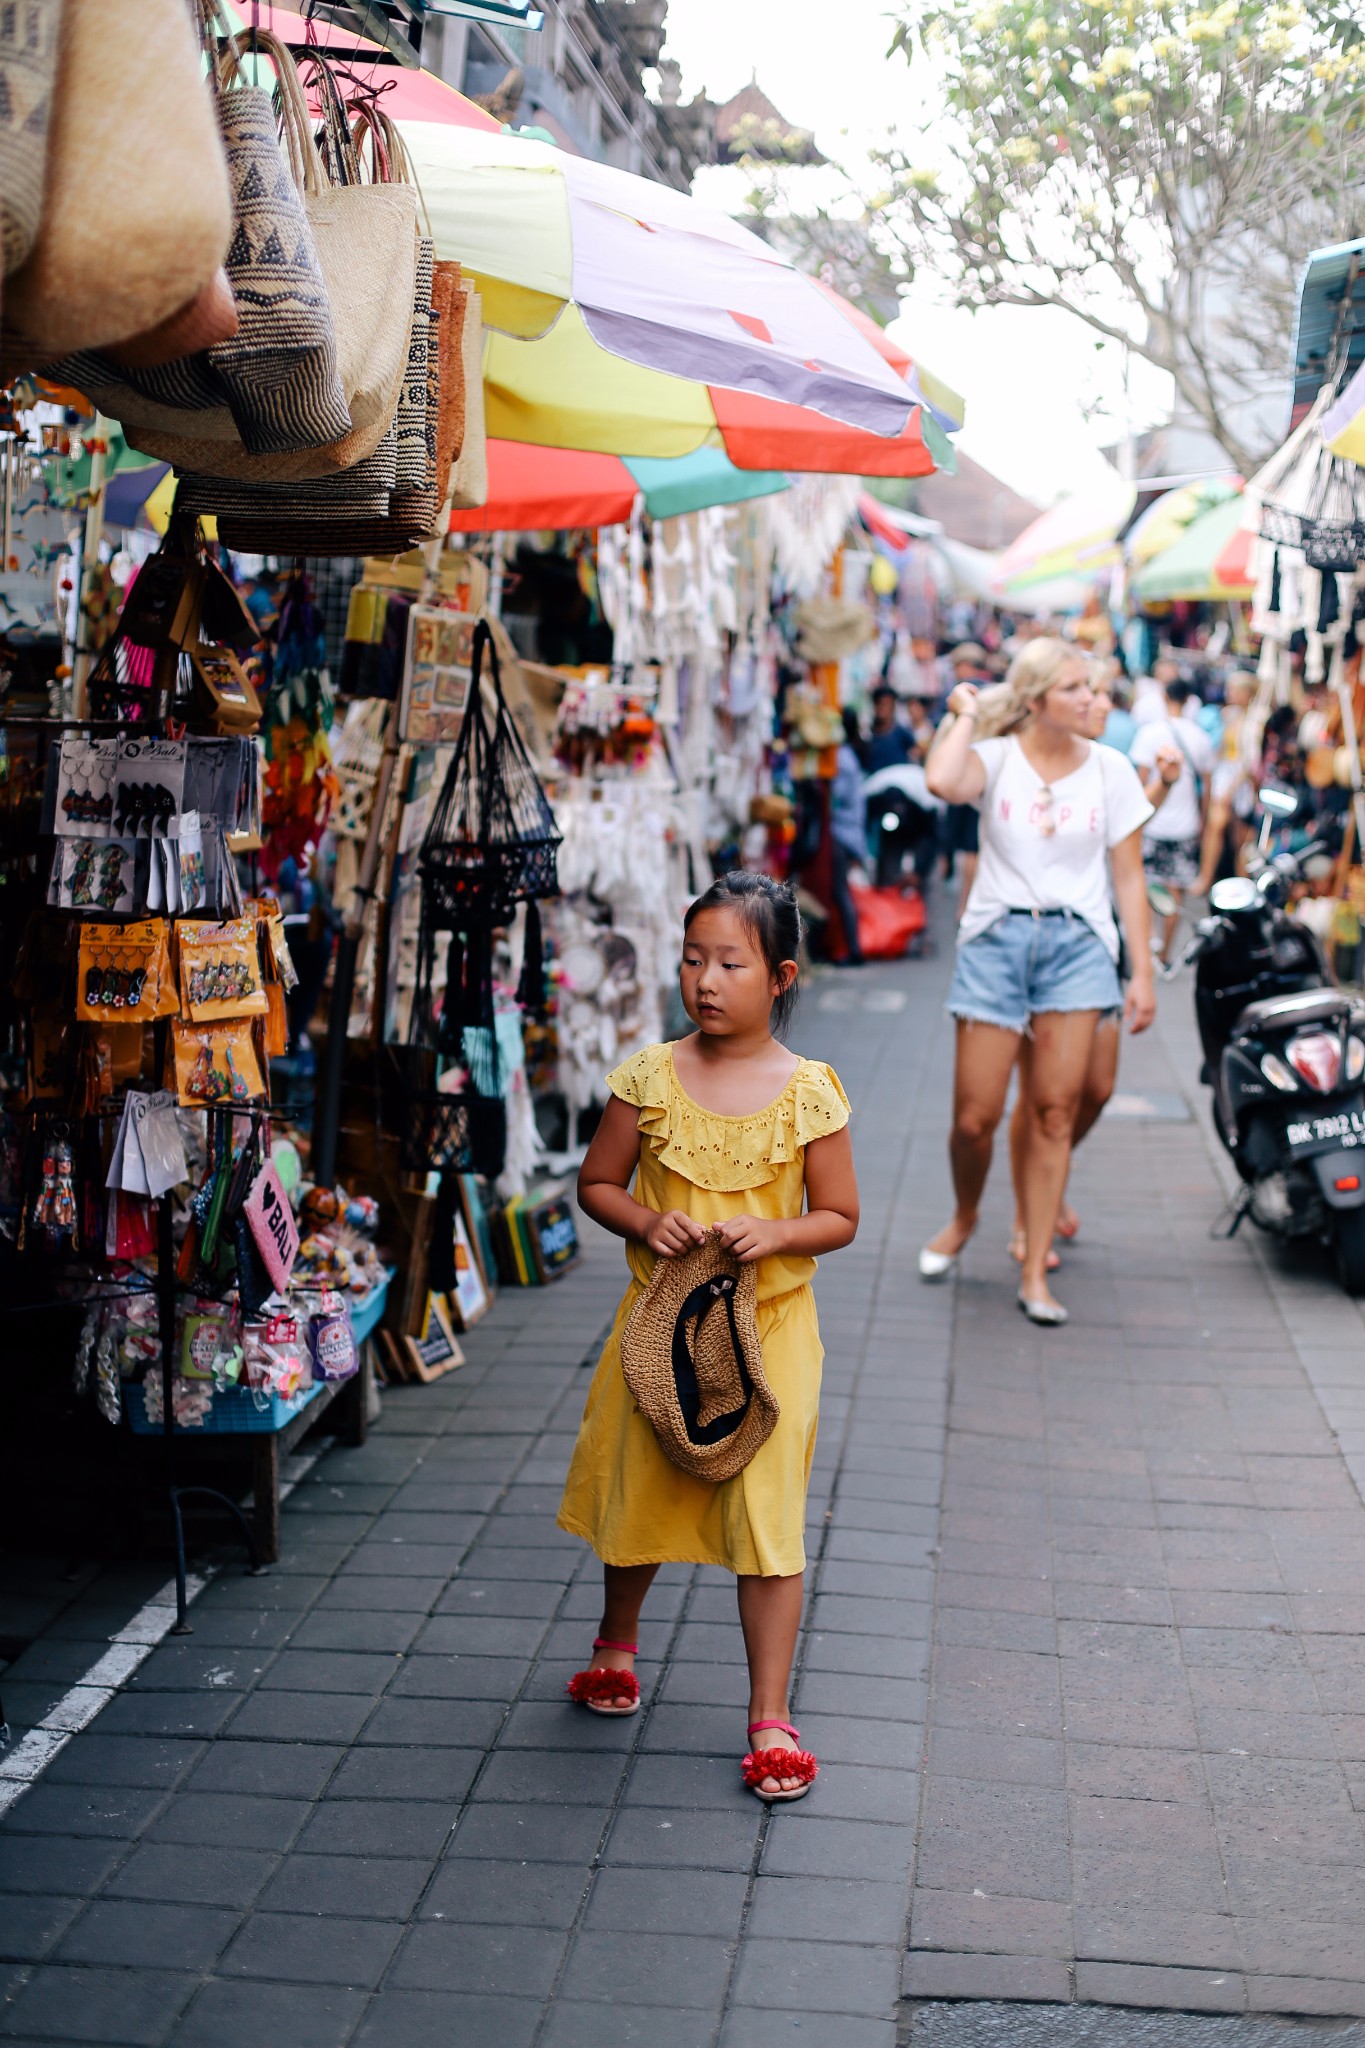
(768, 912)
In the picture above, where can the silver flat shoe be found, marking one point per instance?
(937, 1265)
(1049, 1315)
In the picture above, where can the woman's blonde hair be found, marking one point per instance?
(1032, 673)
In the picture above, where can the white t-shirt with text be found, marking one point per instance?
(1045, 846)
(1179, 816)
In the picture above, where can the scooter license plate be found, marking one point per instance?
(1342, 1129)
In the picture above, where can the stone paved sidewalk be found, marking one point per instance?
(1106, 1581)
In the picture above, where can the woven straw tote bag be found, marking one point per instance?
(28, 65)
(691, 1357)
(469, 476)
(115, 254)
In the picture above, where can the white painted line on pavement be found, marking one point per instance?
(130, 1647)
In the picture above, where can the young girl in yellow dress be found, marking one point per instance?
(724, 1131)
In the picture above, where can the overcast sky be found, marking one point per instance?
(1025, 374)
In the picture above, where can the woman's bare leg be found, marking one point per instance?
(1062, 1042)
(623, 1595)
(985, 1055)
(770, 1615)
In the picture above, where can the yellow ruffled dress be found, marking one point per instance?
(622, 1494)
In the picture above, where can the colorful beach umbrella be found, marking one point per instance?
(650, 277)
(532, 489)
(1189, 567)
(1166, 518)
(403, 91)
(1076, 538)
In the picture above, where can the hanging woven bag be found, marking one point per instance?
(119, 249)
(28, 65)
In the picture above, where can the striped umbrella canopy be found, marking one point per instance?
(1077, 537)
(531, 489)
(1189, 568)
(1166, 518)
(405, 92)
(628, 319)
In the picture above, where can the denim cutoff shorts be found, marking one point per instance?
(1025, 965)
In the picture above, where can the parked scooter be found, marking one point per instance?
(1284, 1053)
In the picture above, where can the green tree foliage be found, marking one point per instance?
(1179, 160)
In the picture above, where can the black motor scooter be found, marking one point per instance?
(1284, 1053)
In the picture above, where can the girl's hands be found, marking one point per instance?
(752, 1237)
(673, 1233)
(962, 702)
(1139, 1008)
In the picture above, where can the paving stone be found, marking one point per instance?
(535, 1832)
(30, 1926)
(431, 1774)
(667, 1902)
(371, 1887)
(118, 1811)
(1025, 1978)
(515, 1894)
(522, 1774)
(812, 1846)
(378, 1827)
(1181, 1990)
(806, 1977)
(763, 2027)
(158, 1936)
(311, 1949)
(43, 1863)
(573, 2024)
(329, 1671)
(437, 1956)
(302, 1717)
(71, 2004)
(227, 2013)
(670, 1838)
(673, 1970)
(230, 1820)
(93, 1758)
(416, 2019)
(279, 1770)
(171, 1872)
(445, 1724)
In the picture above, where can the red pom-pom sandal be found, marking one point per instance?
(599, 1689)
(778, 1763)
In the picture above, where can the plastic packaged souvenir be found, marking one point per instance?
(216, 1063)
(220, 970)
(331, 1342)
(210, 1348)
(274, 1361)
(123, 972)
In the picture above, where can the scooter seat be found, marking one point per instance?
(1278, 1013)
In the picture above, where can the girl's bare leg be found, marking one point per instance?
(1096, 1090)
(623, 1595)
(985, 1055)
(770, 1615)
(1062, 1042)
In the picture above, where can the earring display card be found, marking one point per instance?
(94, 875)
(149, 787)
(85, 787)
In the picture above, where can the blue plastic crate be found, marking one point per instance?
(235, 1412)
(366, 1309)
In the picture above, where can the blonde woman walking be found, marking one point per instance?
(1037, 948)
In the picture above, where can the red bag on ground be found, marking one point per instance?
(887, 920)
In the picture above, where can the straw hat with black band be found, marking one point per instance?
(691, 1357)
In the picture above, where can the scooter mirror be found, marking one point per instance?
(1161, 899)
(1281, 803)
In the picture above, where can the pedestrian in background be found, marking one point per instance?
(724, 1132)
(1102, 1068)
(1175, 747)
(1038, 948)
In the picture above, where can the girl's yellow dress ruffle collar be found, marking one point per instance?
(728, 1154)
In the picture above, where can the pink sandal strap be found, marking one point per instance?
(785, 1726)
(631, 1649)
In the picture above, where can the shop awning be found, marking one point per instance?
(533, 489)
(1076, 538)
(1189, 568)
